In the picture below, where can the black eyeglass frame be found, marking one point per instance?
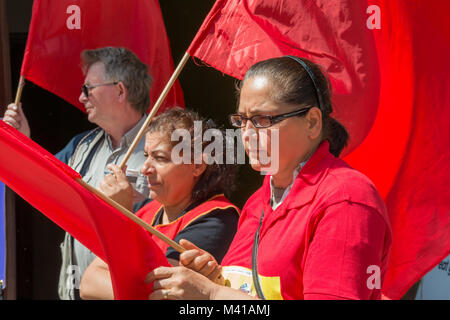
(273, 119)
(85, 88)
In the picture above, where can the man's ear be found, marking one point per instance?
(314, 123)
(122, 91)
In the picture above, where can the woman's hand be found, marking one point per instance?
(117, 187)
(179, 283)
(200, 261)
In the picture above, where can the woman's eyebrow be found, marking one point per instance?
(258, 111)
(158, 150)
(254, 110)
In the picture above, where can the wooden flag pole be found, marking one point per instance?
(220, 279)
(19, 90)
(132, 216)
(155, 109)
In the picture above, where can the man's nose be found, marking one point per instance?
(82, 98)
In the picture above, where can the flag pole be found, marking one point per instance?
(132, 216)
(155, 108)
(220, 279)
(19, 90)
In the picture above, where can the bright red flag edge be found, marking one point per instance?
(52, 54)
(50, 186)
(404, 148)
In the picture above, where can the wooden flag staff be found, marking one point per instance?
(155, 108)
(132, 216)
(100, 194)
(19, 90)
(120, 208)
(123, 210)
(220, 279)
(152, 113)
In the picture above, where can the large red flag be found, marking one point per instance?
(51, 187)
(60, 30)
(391, 91)
(237, 34)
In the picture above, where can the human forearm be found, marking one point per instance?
(226, 293)
(181, 283)
(96, 282)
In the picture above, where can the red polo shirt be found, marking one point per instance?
(329, 239)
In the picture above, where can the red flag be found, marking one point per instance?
(412, 131)
(60, 30)
(51, 187)
(237, 34)
(391, 91)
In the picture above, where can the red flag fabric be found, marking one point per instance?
(237, 34)
(390, 91)
(50, 186)
(60, 30)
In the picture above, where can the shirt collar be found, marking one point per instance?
(286, 191)
(128, 138)
(306, 181)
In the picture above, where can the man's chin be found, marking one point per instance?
(90, 116)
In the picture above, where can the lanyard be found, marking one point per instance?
(255, 276)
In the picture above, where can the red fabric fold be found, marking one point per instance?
(54, 45)
(391, 91)
(51, 187)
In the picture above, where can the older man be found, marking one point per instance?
(115, 95)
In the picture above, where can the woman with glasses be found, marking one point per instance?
(316, 229)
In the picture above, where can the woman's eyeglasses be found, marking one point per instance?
(261, 121)
(86, 88)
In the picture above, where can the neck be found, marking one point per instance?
(283, 178)
(118, 129)
(173, 211)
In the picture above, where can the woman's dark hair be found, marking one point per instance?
(217, 178)
(294, 86)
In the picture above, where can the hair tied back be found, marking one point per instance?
(313, 79)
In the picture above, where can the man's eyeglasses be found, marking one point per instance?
(86, 88)
(261, 121)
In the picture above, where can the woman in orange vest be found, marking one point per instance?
(317, 228)
(188, 200)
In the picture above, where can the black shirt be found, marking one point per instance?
(212, 232)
